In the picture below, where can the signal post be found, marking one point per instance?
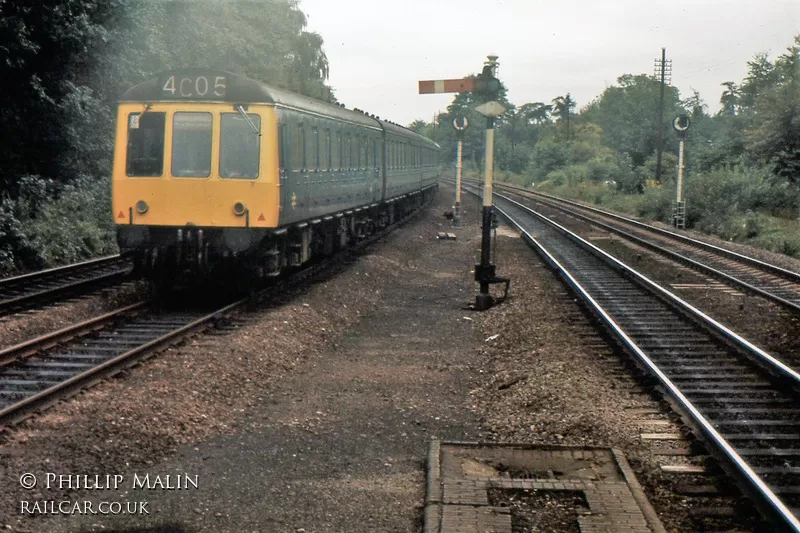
(460, 124)
(681, 125)
(488, 85)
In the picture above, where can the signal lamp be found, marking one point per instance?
(142, 207)
(239, 209)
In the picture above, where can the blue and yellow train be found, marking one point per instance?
(213, 168)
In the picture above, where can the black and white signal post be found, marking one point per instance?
(485, 271)
(488, 85)
(681, 125)
(460, 124)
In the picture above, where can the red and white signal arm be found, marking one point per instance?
(463, 85)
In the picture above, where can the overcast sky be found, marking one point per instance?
(378, 50)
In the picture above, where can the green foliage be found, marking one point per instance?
(627, 114)
(49, 224)
(64, 63)
(549, 155)
(723, 195)
(76, 225)
(775, 127)
(742, 165)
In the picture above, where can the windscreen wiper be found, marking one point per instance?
(240, 109)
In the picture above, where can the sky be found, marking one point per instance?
(378, 50)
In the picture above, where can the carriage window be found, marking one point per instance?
(191, 145)
(296, 138)
(239, 146)
(336, 152)
(353, 143)
(325, 151)
(362, 152)
(312, 162)
(145, 144)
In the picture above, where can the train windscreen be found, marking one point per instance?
(239, 146)
(191, 145)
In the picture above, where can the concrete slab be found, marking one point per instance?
(464, 479)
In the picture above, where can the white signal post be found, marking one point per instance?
(681, 125)
(460, 124)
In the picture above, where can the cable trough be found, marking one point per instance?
(39, 288)
(770, 281)
(738, 399)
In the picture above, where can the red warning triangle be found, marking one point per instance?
(261, 217)
(121, 215)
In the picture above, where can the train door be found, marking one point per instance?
(314, 189)
(294, 178)
(383, 166)
(374, 167)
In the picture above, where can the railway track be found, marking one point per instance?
(739, 400)
(39, 373)
(23, 292)
(758, 277)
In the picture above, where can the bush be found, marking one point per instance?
(77, 225)
(48, 225)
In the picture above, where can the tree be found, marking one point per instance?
(730, 99)
(536, 113)
(562, 107)
(774, 133)
(627, 114)
(43, 63)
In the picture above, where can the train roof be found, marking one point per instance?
(223, 86)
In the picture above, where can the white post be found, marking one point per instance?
(488, 166)
(459, 167)
(680, 171)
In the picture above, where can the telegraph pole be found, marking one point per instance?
(663, 71)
